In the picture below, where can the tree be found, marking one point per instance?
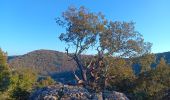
(122, 40)
(153, 83)
(120, 75)
(4, 72)
(162, 63)
(82, 28)
(22, 83)
(85, 29)
(146, 61)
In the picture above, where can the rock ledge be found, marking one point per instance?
(66, 92)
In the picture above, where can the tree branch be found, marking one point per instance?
(77, 78)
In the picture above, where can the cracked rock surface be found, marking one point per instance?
(66, 92)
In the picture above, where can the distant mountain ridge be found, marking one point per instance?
(50, 61)
(165, 55)
(45, 61)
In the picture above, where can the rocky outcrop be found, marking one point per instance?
(66, 92)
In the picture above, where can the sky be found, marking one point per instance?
(27, 25)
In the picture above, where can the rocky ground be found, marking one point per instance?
(66, 92)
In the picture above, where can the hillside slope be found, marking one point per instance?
(49, 61)
(44, 61)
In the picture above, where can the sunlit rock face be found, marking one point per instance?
(66, 92)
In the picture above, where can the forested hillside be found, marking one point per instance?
(49, 61)
(45, 61)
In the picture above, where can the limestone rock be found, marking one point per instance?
(66, 92)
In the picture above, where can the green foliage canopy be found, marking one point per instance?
(153, 82)
(85, 29)
(4, 72)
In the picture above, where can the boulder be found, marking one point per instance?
(66, 92)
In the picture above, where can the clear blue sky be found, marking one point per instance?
(27, 25)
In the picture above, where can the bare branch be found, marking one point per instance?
(89, 64)
(84, 75)
(77, 78)
(72, 57)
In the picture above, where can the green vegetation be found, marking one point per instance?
(4, 72)
(120, 75)
(112, 74)
(153, 82)
(22, 83)
(45, 82)
(18, 84)
(4, 75)
(117, 41)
